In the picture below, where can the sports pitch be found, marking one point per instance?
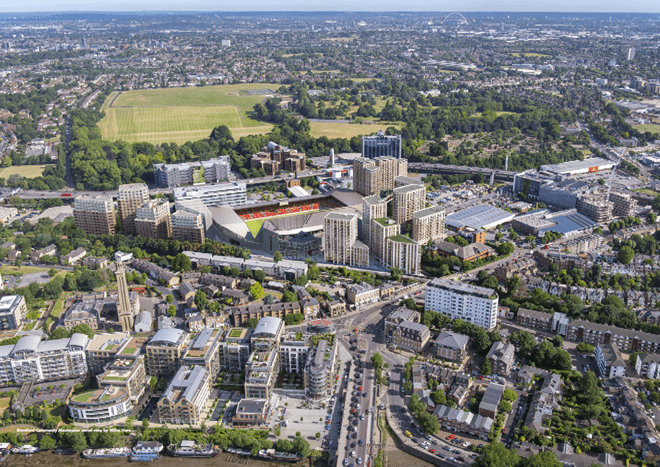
(178, 115)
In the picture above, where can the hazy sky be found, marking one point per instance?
(641, 6)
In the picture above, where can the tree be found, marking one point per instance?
(252, 323)
(181, 263)
(439, 398)
(76, 440)
(289, 296)
(542, 459)
(377, 360)
(509, 395)
(585, 348)
(83, 329)
(256, 290)
(396, 274)
(200, 299)
(505, 248)
(486, 368)
(277, 257)
(496, 455)
(512, 285)
(169, 298)
(259, 275)
(301, 446)
(524, 342)
(558, 341)
(52, 272)
(625, 255)
(171, 310)
(46, 443)
(59, 333)
(427, 422)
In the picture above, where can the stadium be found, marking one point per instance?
(293, 227)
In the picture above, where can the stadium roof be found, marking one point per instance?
(478, 217)
(228, 218)
(291, 225)
(348, 197)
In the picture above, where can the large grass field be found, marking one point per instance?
(344, 130)
(182, 114)
(29, 171)
(652, 127)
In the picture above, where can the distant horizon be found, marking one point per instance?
(124, 7)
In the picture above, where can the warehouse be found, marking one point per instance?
(567, 223)
(480, 217)
(593, 164)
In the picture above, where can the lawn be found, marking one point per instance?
(232, 94)
(344, 130)
(29, 171)
(177, 124)
(14, 270)
(183, 114)
(4, 403)
(652, 127)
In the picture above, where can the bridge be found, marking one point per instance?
(498, 175)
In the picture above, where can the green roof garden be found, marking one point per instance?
(385, 221)
(85, 396)
(236, 332)
(128, 350)
(400, 239)
(115, 378)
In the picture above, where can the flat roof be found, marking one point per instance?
(478, 217)
(572, 166)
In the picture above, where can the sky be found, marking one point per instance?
(636, 6)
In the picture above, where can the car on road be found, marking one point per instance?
(447, 448)
(345, 462)
(427, 437)
(432, 451)
(456, 451)
(434, 442)
(352, 453)
(362, 417)
(361, 442)
(408, 434)
(359, 461)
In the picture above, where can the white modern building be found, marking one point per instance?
(648, 365)
(100, 406)
(222, 194)
(192, 173)
(476, 305)
(32, 360)
(609, 361)
(12, 311)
